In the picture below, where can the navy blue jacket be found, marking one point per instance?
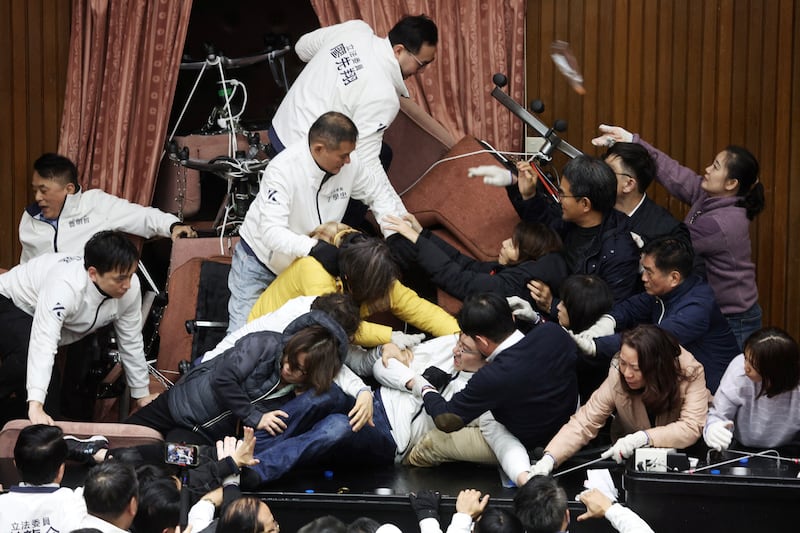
(613, 256)
(234, 382)
(691, 314)
(531, 388)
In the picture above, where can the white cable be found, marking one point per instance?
(452, 158)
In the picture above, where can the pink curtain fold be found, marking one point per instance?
(477, 38)
(124, 59)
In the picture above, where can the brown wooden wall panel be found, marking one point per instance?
(34, 40)
(691, 77)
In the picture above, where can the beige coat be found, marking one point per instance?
(679, 428)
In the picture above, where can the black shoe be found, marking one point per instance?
(83, 450)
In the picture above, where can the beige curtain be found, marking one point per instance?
(477, 38)
(123, 67)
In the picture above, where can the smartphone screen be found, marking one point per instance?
(181, 454)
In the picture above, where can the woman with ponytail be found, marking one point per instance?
(723, 202)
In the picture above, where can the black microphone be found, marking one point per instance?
(500, 80)
(537, 106)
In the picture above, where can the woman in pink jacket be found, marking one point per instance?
(658, 392)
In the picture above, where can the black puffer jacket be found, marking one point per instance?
(234, 382)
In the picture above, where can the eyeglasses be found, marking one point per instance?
(422, 64)
(624, 365)
(562, 195)
(461, 348)
(624, 174)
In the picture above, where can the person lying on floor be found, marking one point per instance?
(367, 272)
(533, 373)
(250, 382)
(531, 252)
(657, 390)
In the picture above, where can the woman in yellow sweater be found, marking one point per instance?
(369, 274)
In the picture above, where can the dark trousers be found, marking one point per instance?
(15, 335)
(156, 415)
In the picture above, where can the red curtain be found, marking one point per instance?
(477, 38)
(123, 68)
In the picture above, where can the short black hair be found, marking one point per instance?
(593, 179)
(497, 520)
(586, 298)
(486, 314)
(363, 524)
(110, 251)
(671, 254)
(159, 506)
(108, 489)
(541, 505)
(341, 307)
(635, 159)
(56, 167)
(412, 31)
(332, 129)
(39, 453)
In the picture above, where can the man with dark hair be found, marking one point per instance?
(63, 216)
(159, 506)
(39, 456)
(678, 302)
(355, 72)
(635, 170)
(541, 506)
(596, 236)
(529, 383)
(304, 186)
(57, 299)
(111, 492)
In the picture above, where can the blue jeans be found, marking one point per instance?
(746, 323)
(248, 278)
(315, 422)
(318, 428)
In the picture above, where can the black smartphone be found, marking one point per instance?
(181, 454)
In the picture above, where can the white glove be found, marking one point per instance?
(523, 309)
(493, 175)
(585, 343)
(604, 326)
(718, 435)
(406, 340)
(419, 383)
(543, 466)
(623, 448)
(611, 135)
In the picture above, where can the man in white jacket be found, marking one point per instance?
(57, 299)
(304, 186)
(351, 70)
(63, 216)
(39, 500)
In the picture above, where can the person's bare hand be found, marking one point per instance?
(527, 180)
(392, 351)
(596, 504)
(273, 422)
(470, 502)
(243, 454)
(401, 226)
(541, 294)
(361, 413)
(37, 415)
(144, 400)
